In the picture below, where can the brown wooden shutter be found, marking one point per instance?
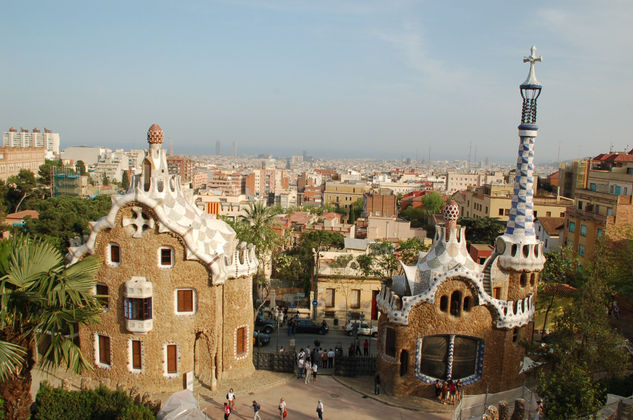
(115, 254)
(241, 340)
(172, 359)
(185, 300)
(104, 350)
(136, 354)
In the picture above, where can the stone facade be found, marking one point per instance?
(176, 286)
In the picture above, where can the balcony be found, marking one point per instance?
(573, 212)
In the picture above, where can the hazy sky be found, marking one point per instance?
(367, 78)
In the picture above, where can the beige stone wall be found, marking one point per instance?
(199, 336)
(343, 302)
(502, 356)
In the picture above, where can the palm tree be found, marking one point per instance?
(260, 220)
(40, 298)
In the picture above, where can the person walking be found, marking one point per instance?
(227, 411)
(357, 346)
(256, 408)
(377, 384)
(315, 367)
(366, 347)
(330, 358)
(320, 409)
(282, 409)
(231, 397)
(300, 366)
(308, 367)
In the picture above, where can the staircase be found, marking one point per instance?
(487, 281)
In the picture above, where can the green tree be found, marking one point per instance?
(482, 230)
(41, 298)
(355, 210)
(125, 181)
(432, 203)
(385, 262)
(417, 216)
(105, 180)
(583, 347)
(21, 192)
(409, 249)
(45, 172)
(80, 167)
(63, 218)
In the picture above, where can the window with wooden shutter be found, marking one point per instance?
(136, 355)
(184, 299)
(137, 309)
(166, 257)
(104, 350)
(241, 340)
(115, 254)
(102, 295)
(172, 358)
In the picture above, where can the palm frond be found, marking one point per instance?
(30, 260)
(11, 359)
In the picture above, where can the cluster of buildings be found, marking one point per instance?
(24, 149)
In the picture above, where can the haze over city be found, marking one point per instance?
(335, 78)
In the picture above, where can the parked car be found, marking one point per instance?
(266, 325)
(260, 338)
(363, 328)
(308, 326)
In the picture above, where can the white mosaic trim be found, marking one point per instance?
(130, 356)
(165, 373)
(247, 346)
(96, 352)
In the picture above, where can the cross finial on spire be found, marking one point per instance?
(531, 79)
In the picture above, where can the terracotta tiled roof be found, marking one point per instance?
(623, 158)
(552, 225)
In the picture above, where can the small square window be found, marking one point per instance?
(166, 256)
(583, 230)
(114, 254)
(185, 301)
(103, 351)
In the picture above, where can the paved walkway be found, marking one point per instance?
(340, 396)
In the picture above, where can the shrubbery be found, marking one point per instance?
(98, 404)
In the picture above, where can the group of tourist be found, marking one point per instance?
(229, 407)
(448, 392)
(354, 348)
(309, 361)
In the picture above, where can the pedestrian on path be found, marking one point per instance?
(256, 408)
(300, 366)
(282, 409)
(315, 367)
(320, 410)
(230, 396)
(366, 347)
(227, 411)
(308, 367)
(377, 384)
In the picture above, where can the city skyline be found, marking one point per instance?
(353, 79)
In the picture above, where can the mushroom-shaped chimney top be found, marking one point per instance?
(451, 211)
(155, 134)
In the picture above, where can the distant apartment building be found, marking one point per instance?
(227, 183)
(571, 176)
(266, 181)
(399, 187)
(87, 154)
(199, 179)
(456, 181)
(312, 195)
(23, 138)
(379, 205)
(222, 205)
(391, 229)
(549, 230)
(342, 194)
(602, 205)
(180, 165)
(496, 200)
(70, 184)
(306, 179)
(112, 166)
(14, 159)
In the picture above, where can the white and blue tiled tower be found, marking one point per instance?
(518, 247)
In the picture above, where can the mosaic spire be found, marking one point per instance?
(521, 221)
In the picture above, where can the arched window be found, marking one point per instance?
(468, 303)
(526, 250)
(147, 175)
(515, 335)
(444, 303)
(456, 303)
(404, 362)
(523, 279)
(533, 279)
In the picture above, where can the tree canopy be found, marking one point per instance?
(482, 230)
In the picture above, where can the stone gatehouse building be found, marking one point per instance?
(175, 285)
(450, 318)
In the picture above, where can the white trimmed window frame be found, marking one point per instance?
(130, 356)
(160, 260)
(165, 373)
(94, 291)
(96, 352)
(195, 301)
(109, 255)
(247, 345)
